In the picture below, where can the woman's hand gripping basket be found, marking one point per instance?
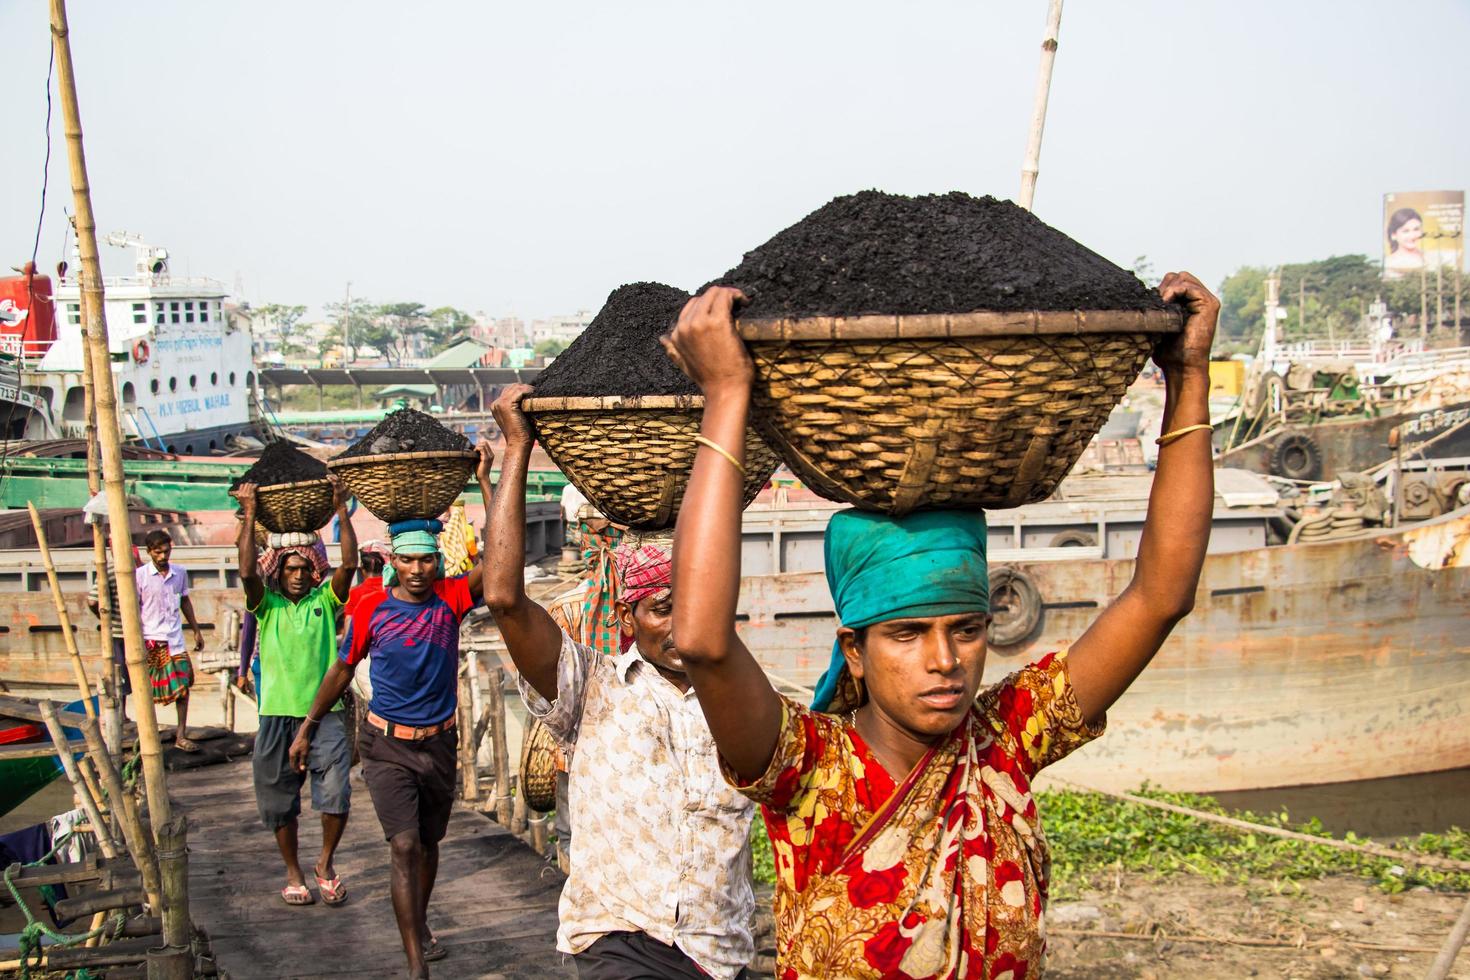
(406, 486)
(631, 456)
(989, 410)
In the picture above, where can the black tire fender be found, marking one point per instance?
(1015, 606)
(1073, 539)
(1297, 456)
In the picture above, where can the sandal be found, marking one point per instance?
(332, 889)
(297, 895)
(434, 951)
(189, 745)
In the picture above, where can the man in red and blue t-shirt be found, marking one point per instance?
(408, 745)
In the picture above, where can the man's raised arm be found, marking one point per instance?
(245, 544)
(347, 568)
(531, 636)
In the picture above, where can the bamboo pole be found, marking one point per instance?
(64, 619)
(62, 616)
(1032, 167)
(135, 836)
(105, 611)
(503, 808)
(1440, 968)
(108, 433)
(89, 804)
(173, 870)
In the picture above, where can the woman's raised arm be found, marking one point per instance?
(743, 711)
(1121, 642)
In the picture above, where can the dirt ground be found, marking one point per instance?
(1327, 928)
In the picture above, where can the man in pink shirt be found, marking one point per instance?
(163, 593)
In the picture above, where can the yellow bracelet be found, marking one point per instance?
(723, 452)
(1169, 437)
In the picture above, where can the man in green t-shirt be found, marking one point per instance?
(295, 609)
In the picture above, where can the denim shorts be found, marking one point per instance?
(278, 786)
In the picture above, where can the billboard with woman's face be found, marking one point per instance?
(1423, 230)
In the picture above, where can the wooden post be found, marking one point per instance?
(89, 804)
(502, 751)
(173, 871)
(1440, 968)
(1032, 167)
(62, 616)
(139, 843)
(469, 771)
(109, 434)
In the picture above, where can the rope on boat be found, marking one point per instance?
(35, 929)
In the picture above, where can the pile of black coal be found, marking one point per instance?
(619, 353)
(280, 463)
(876, 253)
(406, 431)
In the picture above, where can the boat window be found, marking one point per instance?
(129, 393)
(173, 384)
(213, 378)
(193, 381)
(250, 379)
(203, 312)
(232, 379)
(74, 313)
(153, 386)
(140, 312)
(158, 313)
(74, 409)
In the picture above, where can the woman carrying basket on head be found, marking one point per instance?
(906, 838)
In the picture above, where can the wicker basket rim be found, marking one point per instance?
(386, 457)
(609, 403)
(982, 323)
(286, 486)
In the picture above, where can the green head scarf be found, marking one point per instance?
(931, 563)
(411, 543)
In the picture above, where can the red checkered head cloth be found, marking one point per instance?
(270, 563)
(645, 568)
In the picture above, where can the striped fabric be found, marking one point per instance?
(169, 676)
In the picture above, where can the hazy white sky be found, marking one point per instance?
(530, 157)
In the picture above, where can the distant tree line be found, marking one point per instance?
(1326, 297)
(395, 331)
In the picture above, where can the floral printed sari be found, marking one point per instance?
(943, 875)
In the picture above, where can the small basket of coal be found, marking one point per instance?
(939, 351)
(407, 467)
(292, 492)
(619, 418)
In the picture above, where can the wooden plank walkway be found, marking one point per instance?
(494, 906)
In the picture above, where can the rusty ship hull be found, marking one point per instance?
(1324, 662)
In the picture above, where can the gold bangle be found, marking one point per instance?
(723, 452)
(1169, 437)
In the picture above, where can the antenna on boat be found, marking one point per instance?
(1032, 167)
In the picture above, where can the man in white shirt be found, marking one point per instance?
(660, 881)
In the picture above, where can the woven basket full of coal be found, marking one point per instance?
(305, 506)
(980, 410)
(406, 486)
(631, 456)
(937, 351)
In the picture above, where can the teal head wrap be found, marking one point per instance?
(415, 543)
(879, 568)
(418, 542)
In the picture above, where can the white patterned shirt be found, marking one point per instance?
(662, 842)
